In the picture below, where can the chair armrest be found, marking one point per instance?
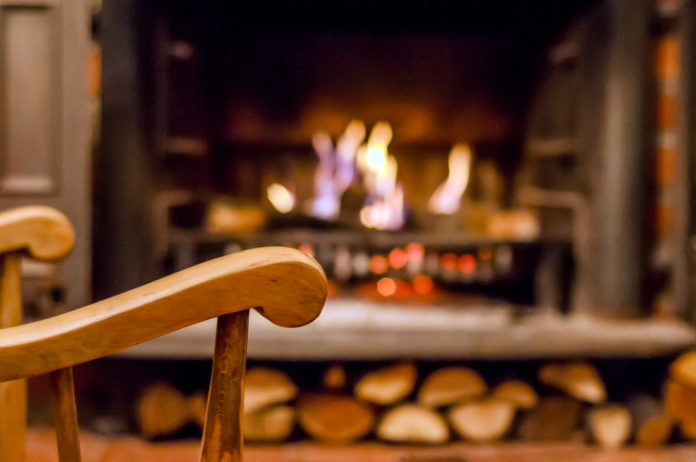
(44, 232)
(284, 285)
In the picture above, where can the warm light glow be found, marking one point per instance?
(398, 258)
(384, 207)
(485, 253)
(467, 264)
(336, 169)
(415, 251)
(306, 248)
(386, 287)
(446, 198)
(281, 197)
(449, 262)
(379, 264)
(422, 285)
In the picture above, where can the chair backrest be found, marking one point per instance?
(44, 234)
(284, 285)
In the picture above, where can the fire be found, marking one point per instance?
(281, 197)
(339, 166)
(446, 198)
(384, 207)
(336, 170)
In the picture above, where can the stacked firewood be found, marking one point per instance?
(393, 404)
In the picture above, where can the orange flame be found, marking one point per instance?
(385, 206)
(446, 198)
(281, 197)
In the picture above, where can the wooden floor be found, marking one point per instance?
(41, 448)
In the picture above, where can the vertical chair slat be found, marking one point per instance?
(65, 415)
(13, 395)
(222, 433)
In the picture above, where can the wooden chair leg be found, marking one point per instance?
(13, 395)
(222, 433)
(65, 415)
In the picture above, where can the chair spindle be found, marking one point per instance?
(222, 433)
(13, 394)
(65, 415)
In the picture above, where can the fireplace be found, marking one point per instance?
(451, 172)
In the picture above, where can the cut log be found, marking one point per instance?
(197, 406)
(555, 418)
(688, 430)
(680, 405)
(519, 393)
(451, 385)
(388, 385)
(335, 377)
(610, 426)
(482, 421)
(683, 369)
(414, 424)
(334, 419)
(655, 431)
(162, 410)
(579, 380)
(264, 387)
(680, 401)
(652, 425)
(271, 424)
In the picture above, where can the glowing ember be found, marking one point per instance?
(415, 251)
(422, 285)
(386, 287)
(449, 262)
(398, 258)
(379, 264)
(445, 200)
(281, 197)
(467, 264)
(306, 248)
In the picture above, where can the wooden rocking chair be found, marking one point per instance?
(284, 285)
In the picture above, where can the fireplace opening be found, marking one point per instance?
(392, 144)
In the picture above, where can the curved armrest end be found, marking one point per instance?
(45, 232)
(285, 285)
(295, 290)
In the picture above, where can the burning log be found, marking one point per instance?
(162, 410)
(680, 405)
(654, 431)
(450, 385)
(610, 426)
(652, 425)
(388, 385)
(264, 387)
(579, 380)
(520, 393)
(334, 419)
(683, 369)
(482, 421)
(413, 423)
(563, 411)
(270, 424)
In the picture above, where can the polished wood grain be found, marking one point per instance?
(45, 234)
(65, 411)
(222, 433)
(13, 395)
(284, 285)
(43, 231)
